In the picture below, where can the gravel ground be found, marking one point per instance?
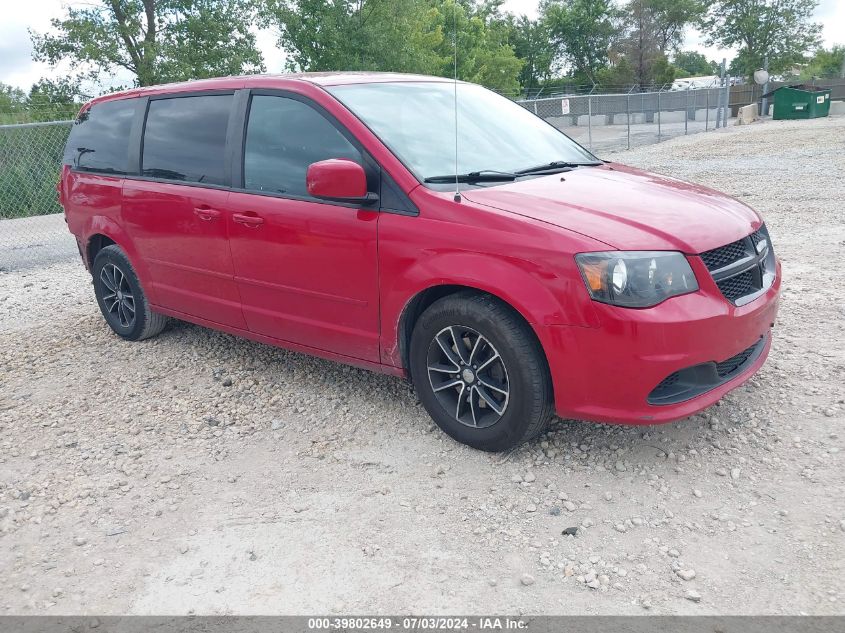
(197, 472)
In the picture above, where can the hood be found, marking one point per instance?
(627, 208)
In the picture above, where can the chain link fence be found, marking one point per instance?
(613, 122)
(32, 228)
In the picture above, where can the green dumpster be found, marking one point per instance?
(800, 102)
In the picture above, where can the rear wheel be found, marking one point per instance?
(121, 298)
(480, 373)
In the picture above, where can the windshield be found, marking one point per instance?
(416, 121)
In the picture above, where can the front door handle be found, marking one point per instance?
(204, 212)
(248, 220)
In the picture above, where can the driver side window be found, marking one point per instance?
(283, 137)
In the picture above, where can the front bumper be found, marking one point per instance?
(608, 374)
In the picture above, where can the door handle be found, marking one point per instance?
(251, 221)
(204, 212)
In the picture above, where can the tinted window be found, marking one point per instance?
(185, 138)
(283, 137)
(99, 139)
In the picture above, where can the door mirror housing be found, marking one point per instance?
(339, 180)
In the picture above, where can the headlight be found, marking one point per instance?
(636, 279)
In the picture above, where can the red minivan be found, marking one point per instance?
(509, 275)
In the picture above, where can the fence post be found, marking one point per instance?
(590, 119)
(720, 96)
(718, 108)
(628, 112)
(658, 115)
(686, 115)
(727, 101)
(707, 111)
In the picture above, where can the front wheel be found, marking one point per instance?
(480, 372)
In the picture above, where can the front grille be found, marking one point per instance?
(735, 287)
(740, 270)
(724, 255)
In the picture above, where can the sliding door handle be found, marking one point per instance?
(248, 220)
(204, 212)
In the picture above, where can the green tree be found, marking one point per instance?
(11, 99)
(382, 35)
(397, 35)
(618, 76)
(13, 106)
(530, 42)
(484, 54)
(639, 42)
(155, 40)
(825, 63)
(783, 30)
(63, 91)
(55, 99)
(694, 64)
(670, 18)
(662, 72)
(581, 32)
(649, 30)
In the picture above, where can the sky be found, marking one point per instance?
(18, 69)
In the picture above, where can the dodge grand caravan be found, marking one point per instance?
(509, 276)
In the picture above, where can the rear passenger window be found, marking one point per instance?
(99, 138)
(283, 138)
(185, 139)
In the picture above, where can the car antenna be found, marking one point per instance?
(455, 21)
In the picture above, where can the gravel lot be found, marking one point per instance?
(197, 472)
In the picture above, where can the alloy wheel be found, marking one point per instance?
(118, 297)
(468, 376)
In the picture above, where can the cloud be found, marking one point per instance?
(16, 65)
(831, 13)
(15, 53)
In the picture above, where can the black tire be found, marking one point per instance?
(521, 404)
(121, 298)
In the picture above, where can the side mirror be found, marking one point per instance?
(339, 180)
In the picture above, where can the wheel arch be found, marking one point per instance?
(101, 231)
(542, 291)
(415, 307)
(96, 243)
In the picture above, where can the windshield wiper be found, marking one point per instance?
(491, 175)
(485, 175)
(553, 166)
